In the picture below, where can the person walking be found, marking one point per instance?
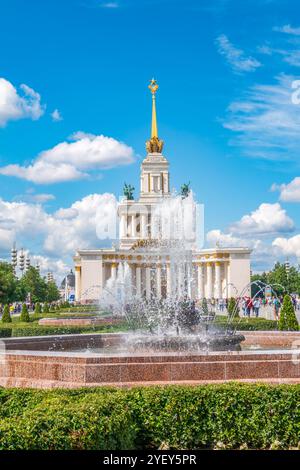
(276, 309)
(256, 307)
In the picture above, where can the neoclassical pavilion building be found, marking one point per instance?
(217, 272)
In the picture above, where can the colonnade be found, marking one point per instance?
(157, 279)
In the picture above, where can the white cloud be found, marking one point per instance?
(56, 236)
(73, 160)
(289, 192)
(56, 116)
(236, 57)
(215, 237)
(14, 105)
(287, 29)
(59, 233)
(288, 246)
(267, 219)
(265, 121)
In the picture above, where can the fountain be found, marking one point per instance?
(173, 323)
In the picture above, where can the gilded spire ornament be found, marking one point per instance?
(154, 144)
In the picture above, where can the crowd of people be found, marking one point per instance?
(254, 306)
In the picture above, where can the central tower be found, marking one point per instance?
(136, 215)
(155, 167)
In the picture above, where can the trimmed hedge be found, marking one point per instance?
(15, 330)
(208, 416)
(251, 324)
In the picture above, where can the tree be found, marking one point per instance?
(34, 285)
(260, 278)
(280, 278)
(204, 307)
(6, 318)
(24, 317)
(46, 308)
(8, 283)
(37, 309)
(288, 320)
(52, 292)
(233, 308)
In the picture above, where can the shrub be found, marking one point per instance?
(233, 308)
(204, 307)
(46, 308)
(253, 416)
(288, 320)
(33, 329)
(6, 318)
(24, 317)
(37, 309)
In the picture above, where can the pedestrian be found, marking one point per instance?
(256, 307)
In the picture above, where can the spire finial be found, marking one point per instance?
(153, 88)
(154, 145)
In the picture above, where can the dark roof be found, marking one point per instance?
(70, 280)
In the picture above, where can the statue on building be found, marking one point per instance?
(128, 191)
(185, 190)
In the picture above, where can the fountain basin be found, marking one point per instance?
(28, 362)
(179, 343)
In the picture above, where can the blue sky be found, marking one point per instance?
(225, 111)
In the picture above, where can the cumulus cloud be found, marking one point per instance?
(14, 104)
(59, 233)
(267, 219)
(216, 237)
(289, 192)
(236, 58)
(53, 238)
(73, 160)
(288, 246)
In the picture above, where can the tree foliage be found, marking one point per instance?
(6, 318)
(233, 308)
(8, 283)
(283, 280)
(24, 317)
(288, 320)
(52, 292)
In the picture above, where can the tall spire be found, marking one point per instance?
(154, 145)
(153, 88)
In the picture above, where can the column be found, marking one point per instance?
(144, 221)
(218, 280)
(138, 278)
(133, 226)
(148, 283)
(123, 226)
(158, 281)
(114, 270)
(77, 283)
(169, 283)
(200, 281)
(209, 292)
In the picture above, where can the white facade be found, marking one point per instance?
(217, 273)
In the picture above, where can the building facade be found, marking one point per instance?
(216, 273)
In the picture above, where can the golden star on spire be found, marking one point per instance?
(153, 86)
